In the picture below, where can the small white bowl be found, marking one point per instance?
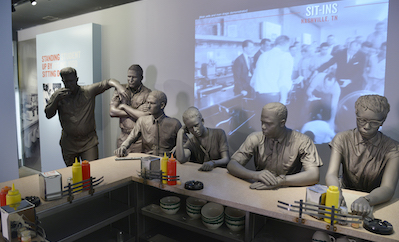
(234, 213)
(170, 210)
(234, 227)
(171, 200)
(235, 222)
(194, 215)
(212, 210)
(194, 202)
(214, 225)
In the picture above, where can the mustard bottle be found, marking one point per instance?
(332, 199)
(164, 167)
(13, 197)
(76, 173)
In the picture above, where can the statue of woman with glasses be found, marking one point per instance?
(369, 159)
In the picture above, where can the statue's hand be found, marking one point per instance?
(123, 94)
(62, 93)
(261, 186)
(207, 166)
(120, 152)
(361, 207)
(267, 178)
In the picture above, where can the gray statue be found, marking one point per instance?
(279, 154)
(75, 105)
(130, 109)
(157, 130)
(207, 146)
(369, 159)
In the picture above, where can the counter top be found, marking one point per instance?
(219, 187)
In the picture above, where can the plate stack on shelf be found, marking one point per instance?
(234, 218)
(194, 206)
(212, 215)
(170, 205)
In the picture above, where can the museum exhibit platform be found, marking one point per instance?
(125, 207)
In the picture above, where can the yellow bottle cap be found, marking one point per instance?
(13, 192)
(76, 162)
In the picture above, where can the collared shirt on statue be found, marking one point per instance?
(363, 161)
(294, 151)
(158, 135)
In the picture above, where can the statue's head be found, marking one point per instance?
(194, 122)
(70, 78)
(273, 119)
(134, 76)
(371, 112)
(156, 102)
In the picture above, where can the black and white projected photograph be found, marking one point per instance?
(317, 59)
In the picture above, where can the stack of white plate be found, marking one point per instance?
(170, 205)
(212, 215)
(234, 218)
(193, 207)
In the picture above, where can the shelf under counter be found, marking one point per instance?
(91, 216)
(181, 219)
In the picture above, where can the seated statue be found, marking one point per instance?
(369, 159)
(207, 146)
(158, 131)
(279, 154)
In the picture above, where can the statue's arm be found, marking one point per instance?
(182, 154)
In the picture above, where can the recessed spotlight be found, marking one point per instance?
(33, 2)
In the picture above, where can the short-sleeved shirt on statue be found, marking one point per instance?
(215, 145)
(136, 100)
(158, 135)
(291, 152)
(76, 114)
(363, 162)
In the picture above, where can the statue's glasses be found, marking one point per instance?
(372, 123)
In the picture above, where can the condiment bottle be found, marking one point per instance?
(76, 173)
(85, 174)
(13, 196)
(164, 167)
(3, 195)
(172, 171)
(332, 199)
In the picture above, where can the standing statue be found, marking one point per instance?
(75, 105)
(279, 154)
(369, 159)
(157, 130)
(130, 109)
(207, 146)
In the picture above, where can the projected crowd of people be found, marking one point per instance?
(316, 77)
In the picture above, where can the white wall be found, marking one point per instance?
(8, 127)
(159, 35)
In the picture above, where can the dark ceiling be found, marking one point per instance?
(46, 11)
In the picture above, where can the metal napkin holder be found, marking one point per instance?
(156, 174)
(320, 212)
(85, 185)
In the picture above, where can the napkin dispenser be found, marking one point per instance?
(150, 163)
(50, 184)
(15, 216)
(316, 194)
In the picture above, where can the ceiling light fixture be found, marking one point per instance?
(33, 2)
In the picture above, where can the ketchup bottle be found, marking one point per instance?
(172, 171)
(3, 194)
(86, 174)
